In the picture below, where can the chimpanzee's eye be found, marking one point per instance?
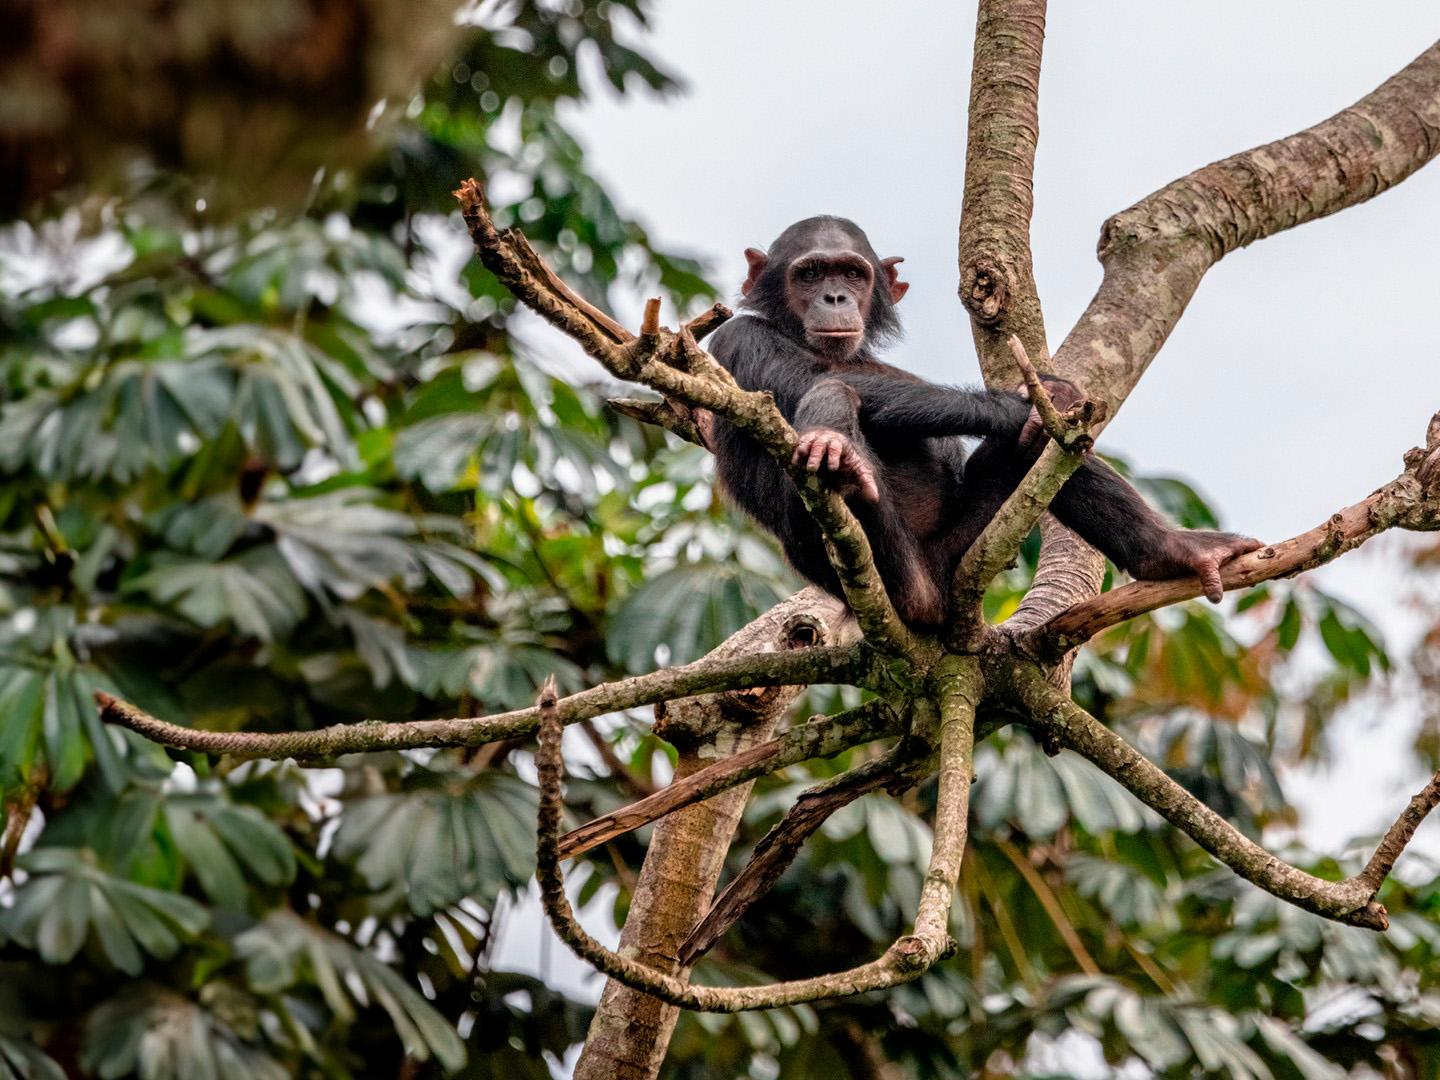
(853, 274)
(809, 273)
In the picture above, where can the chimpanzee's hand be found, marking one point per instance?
(822, 448)
(1063, 393)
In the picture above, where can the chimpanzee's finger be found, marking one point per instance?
(868, 488)
(837, 450)
(817, 454)
(1210, 578)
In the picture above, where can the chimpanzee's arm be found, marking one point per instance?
(900, 407)
(896, 405)
(831, 403)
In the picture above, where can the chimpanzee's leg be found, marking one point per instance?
(1110, 514)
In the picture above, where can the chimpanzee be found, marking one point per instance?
(814, 309)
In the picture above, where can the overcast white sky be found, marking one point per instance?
(1303, 369)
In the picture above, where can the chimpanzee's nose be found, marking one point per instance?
(836, 297)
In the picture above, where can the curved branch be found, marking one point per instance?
(1064, 723)
(822, 736)
(1156, 252)
(842, 664)
(906, 959)
(997, 278)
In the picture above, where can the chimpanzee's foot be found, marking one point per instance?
(1201, 553)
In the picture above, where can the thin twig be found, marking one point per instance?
(1399, 835)
(1051, 903)
(1050, 419)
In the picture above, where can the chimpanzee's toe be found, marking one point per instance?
(1210, 551)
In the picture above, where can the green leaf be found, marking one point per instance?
(443, 841)
(67, 898)
(688, 610)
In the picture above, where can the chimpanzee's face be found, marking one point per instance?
(829, 289)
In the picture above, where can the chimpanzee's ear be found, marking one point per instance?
(758, 261)
(898, 288)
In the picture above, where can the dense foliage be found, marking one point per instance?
(294, 470)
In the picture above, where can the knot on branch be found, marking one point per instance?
(915, 953)
(1422, 468)
(984, 290)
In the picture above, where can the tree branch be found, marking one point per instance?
(958, 689)
(1410, 501)
(997, 278)
(999, 542)
(1156, 252)
(1061, 721)
(678, 368)
(822, 736)
(709, 674)
(1399, 835)
(687, 848)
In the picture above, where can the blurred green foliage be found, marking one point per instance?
(293, 470)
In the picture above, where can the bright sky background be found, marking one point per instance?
(1305, 366)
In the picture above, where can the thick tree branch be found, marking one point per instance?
(958, 691)
(842, 664)
(1061, 721)
(822, 736)
(997, 279)
(1410, 501)
(1156, 252)
(678, 368)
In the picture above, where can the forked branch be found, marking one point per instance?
(896, 771)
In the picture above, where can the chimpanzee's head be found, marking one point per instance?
(822, 283)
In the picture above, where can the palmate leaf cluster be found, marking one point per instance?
(291, 470)
(288, 470)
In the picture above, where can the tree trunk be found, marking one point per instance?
(631, 1031)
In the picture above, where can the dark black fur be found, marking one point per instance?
(933, 501)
